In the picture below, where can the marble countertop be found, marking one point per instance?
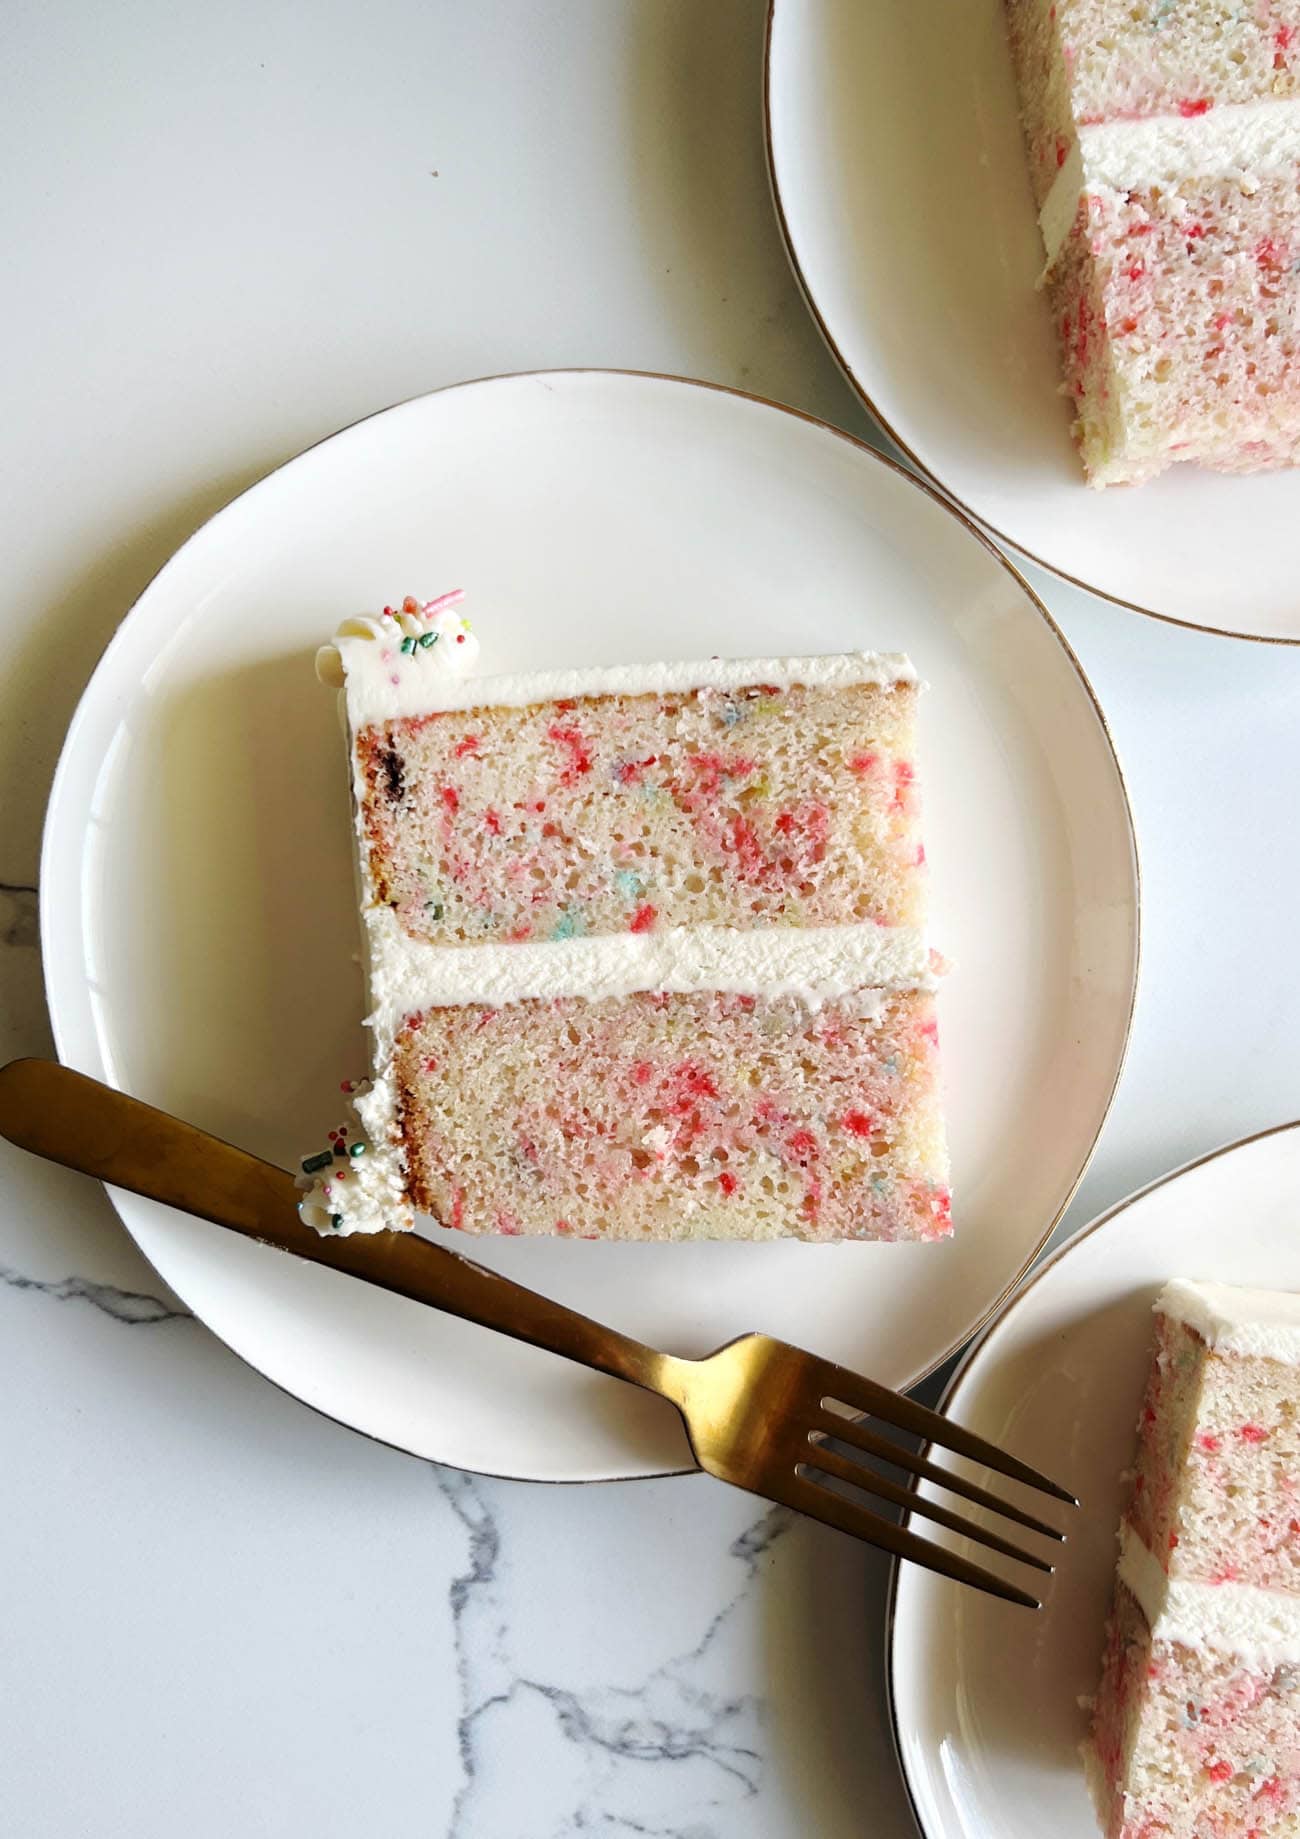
(238, 229)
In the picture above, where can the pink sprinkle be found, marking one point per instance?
(456, 595)
(643, 919)
(1198, 105)
(410, 604)
(1252, 1433)
(431, 1065)
(1208, 1443)
(1221, 1772)
(727, 1182)
(858, 1122)
(451, 797)
(579, 757)
(458, 1209)
(641, 1072)
(862, 762)
(460, 638)
(469, 745)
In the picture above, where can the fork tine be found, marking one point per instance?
(862, 1475)
(906, 1414)
(852, 1430)
(859, 1522)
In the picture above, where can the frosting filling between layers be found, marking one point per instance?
(1240, 141)
(1262, 1627)
(817, 963)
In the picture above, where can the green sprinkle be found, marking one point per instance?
(336, 1219)
(570, 925)
(313, 1163)
(408, 645)
(434, 909)
(427, 639)
(357, 1149)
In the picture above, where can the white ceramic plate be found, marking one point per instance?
(197, 898)
(986, 1697)
(901, 184)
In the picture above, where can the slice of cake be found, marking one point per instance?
(1196, 1727)
(644, 947)
(1164, 147)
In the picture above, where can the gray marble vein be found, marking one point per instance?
(616, 1753)
(131, 1307)
(18, 914)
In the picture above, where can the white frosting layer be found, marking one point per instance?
(1265, 1323)
(384, 685)
(1262, 1627)
(817, 964)
(1242, 141)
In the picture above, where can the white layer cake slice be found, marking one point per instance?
(645, 947)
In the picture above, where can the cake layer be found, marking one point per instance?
(1176, 312)
(1080, 62)
(741, 807)
(688, 1116)
(1190, 1743)
(1217, 1496)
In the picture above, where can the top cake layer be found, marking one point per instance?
(725, 794)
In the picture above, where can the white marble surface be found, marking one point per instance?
(231, 230)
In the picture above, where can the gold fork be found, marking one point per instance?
(759, 1413)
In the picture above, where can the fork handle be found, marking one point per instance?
(74, 1120)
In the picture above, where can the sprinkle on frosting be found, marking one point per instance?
(344, 1189)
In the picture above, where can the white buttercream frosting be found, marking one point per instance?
(1262, 1627)
(352, 1186)
(381, 683)
(1265, 1323)
(1242, 142)
(818, 964)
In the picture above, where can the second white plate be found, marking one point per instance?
(896, 156)
(197, 900)
(986, 1697)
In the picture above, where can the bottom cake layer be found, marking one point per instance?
(1189, 1743)
(1176, 315)
(685, 1116)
